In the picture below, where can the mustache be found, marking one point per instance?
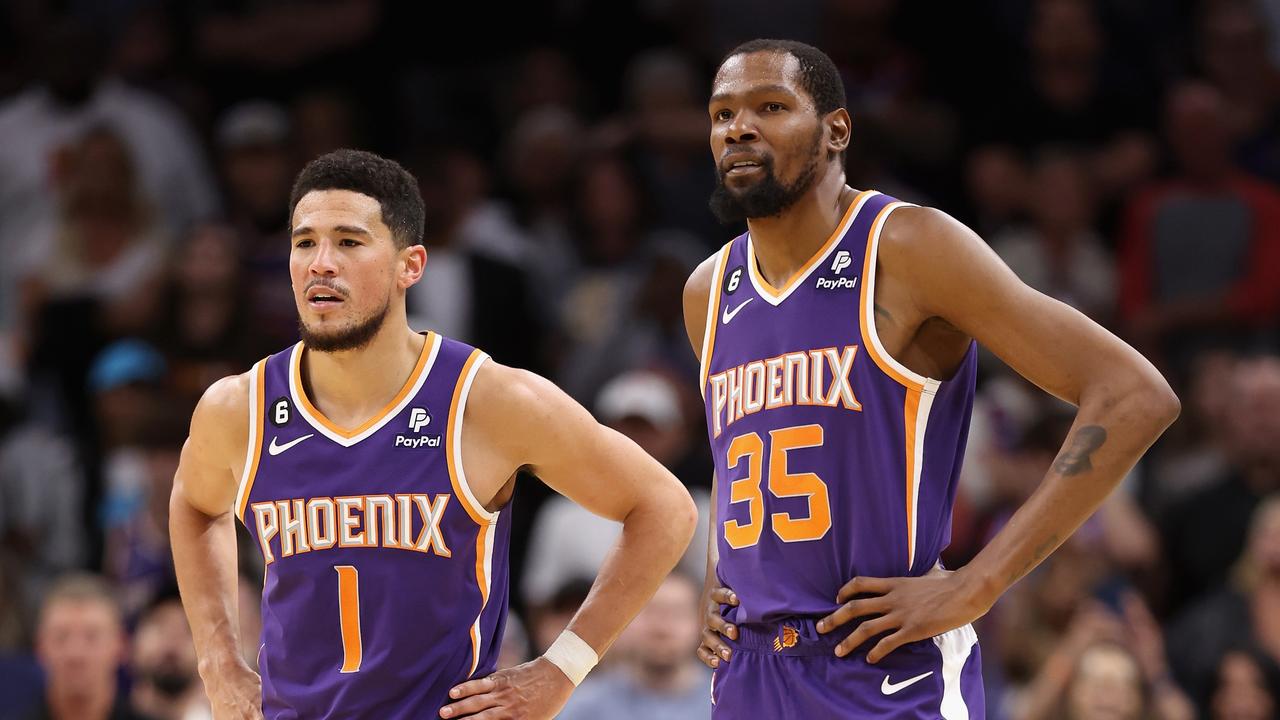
(327, 284)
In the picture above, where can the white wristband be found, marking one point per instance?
(572, 655)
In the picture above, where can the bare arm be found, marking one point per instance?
(202, 533)
(1124, 404)
(711, 650)
(517, 420)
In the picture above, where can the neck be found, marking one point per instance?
(667, 679)
(784, 243)
(350, 386)
(93, 704)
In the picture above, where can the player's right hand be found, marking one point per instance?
(235, 694)
(713, 650)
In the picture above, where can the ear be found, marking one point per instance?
(839, 128)
(412, 261)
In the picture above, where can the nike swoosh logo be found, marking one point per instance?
(728, 315)
(888, 688)
(275, 449)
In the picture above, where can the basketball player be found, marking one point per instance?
(373, 467)
(837, 341)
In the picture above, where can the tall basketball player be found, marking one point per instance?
(837, 341)
(373, 467)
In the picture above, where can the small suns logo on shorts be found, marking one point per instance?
(786, 639)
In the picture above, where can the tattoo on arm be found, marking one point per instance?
(1040, 553)
(1075, 459)
(881, 311)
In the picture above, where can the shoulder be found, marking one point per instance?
(697, 291)
(221, 418)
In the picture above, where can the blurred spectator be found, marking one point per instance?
(569, 542)
(1061, 253)
(1246, 687)
(1194, 452)
(80, 642)
(324, 120)
(69, 97)
(1178, 294)
(1075, 92)
(1204, 534)
(166, 685)
(997, 180)
(515, 643)
(256, 157)
(1108, 667)
(474, 286)
(658, 676)
(1233, 54)
(1244, 613)
(41, 527)
(206, 328)
(136, 510)
(550, 618)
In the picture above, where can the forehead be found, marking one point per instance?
(319, 209)
(753, 72)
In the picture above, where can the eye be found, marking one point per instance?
(723, 115)
(774, 107)
(348, 242)
(304, 243)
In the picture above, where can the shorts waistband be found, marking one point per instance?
(797, 636)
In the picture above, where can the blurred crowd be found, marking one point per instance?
(1120, 155)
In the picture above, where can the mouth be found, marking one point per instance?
(740, 165)
(322, 298)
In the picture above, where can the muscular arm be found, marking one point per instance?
(1124, 404)
(202, 533)
(516, 420)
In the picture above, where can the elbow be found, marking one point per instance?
(1160, 404)
(686, 516)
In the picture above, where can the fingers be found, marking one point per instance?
(708, 657)
(469, 706)
(473, 687)
(717, 623)
(863, 607)
(724, 596)
(865, 586)
(887, 645)
(716, 645)
(865, 632)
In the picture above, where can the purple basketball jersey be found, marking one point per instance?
(832, 459)
(386, 581)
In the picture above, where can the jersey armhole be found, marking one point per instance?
(457, 409)
(713, 310)
(890, 366)
(253, 451)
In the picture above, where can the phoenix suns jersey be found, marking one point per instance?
(832, 459)
(386, 581)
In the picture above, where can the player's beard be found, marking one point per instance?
(767, 197)
(349, 338)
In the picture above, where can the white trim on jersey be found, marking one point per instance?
(488, 583)
(250, 452)
(869, 287)
(922, 423)
(295, 392)
(955, 646)
(455, 445)
(709, 329)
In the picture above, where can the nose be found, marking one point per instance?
(324, 261)
(740, 130)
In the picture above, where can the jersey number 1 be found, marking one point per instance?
(349, 617)
(782, 483)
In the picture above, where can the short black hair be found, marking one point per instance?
(384, 180)
(818, 74)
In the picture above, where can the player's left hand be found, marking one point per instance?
(909, 609)
(535, 690)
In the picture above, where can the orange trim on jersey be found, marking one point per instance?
(717, 289)
(910, 412)
(295, 374)
(260, 382)
(864, 301)
(789, 285)
(482, 581)
(454, 409)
